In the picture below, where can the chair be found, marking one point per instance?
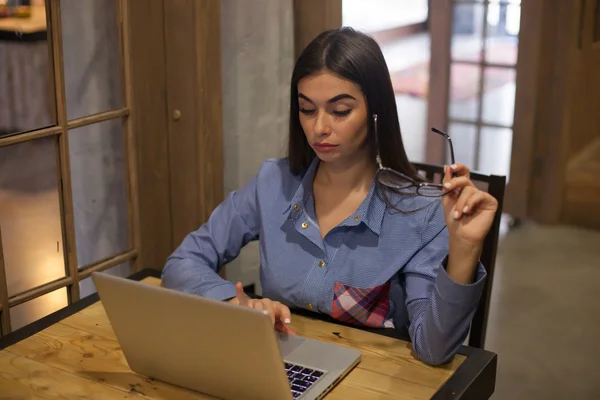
(495, 186)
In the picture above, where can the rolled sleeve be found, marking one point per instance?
(193, 267)
(440, 309)
(223, 291)
(457, 293)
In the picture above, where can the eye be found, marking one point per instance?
(342, 113)
(307, 111)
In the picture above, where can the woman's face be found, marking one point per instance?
(333, 115)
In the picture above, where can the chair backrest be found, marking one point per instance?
(495, 186)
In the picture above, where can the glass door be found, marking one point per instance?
(473, 74)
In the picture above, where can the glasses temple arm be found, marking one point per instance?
(447, 137)
(376, 134)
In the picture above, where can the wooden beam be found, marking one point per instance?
(209, 110)
(5, 309)
(440, 30)
(64, 174)
(550, 150)
(529, 65)
(133, 200)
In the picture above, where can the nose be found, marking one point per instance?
(322, 124)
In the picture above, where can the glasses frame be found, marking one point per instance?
(410, 182)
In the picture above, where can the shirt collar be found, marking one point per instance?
(370, 212)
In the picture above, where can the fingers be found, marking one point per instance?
(268, 306)
(470, 200)
(241, 296)
(279, 314)
(456, 170)
(465, 198)
(283, 313)
(458, 182)
(460, 169)
(456, 185)
(479, 199)
(447, 174)
(284, 328)
(276, 310)
(284, 319)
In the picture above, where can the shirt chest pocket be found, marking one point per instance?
(362, 306)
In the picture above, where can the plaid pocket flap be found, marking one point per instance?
(358, 306)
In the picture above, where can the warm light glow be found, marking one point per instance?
(31, 238)
(31, 311)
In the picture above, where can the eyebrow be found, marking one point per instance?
(331, 100)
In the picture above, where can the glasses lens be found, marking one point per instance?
(394, 180)
(432, 190)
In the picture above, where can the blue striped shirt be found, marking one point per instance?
(379, 267)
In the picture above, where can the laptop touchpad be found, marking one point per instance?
(288, 343)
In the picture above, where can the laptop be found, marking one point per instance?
(217, 348)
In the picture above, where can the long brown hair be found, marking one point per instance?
(358, 58)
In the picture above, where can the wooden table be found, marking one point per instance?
(73, 354)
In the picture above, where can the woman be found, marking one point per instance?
(333, 238)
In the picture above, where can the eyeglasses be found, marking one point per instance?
(404, 183)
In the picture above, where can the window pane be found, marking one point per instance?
(87, 287)
(463, 139)
(467, 32)
(26, 79)
(91, 56)
(495, 151)
(30, 216)
(499, 96)
(98, 176)
(32, 310)
(464, 91)
(502, 36)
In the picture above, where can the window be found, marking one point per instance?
(65, 156)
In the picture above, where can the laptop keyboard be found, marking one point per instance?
(301, 378)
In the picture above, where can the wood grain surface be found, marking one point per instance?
(79, 357)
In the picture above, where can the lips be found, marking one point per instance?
(324, 147)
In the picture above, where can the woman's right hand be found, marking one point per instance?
(280, 314)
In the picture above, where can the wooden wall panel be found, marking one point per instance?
(149, 112)
(193, 54)
(182, 117)
(176, 94)
(556, 148)
(312, 17)
(529, 65)
(582, 128)
(553, 91)
(209, 109)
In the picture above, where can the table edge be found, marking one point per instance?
(475, 378)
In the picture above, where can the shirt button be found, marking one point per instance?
(357, 217)
(309, 306)
(304, 225)
(321, 263)
(296, 207)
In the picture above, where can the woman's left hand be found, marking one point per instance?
(469, 211)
